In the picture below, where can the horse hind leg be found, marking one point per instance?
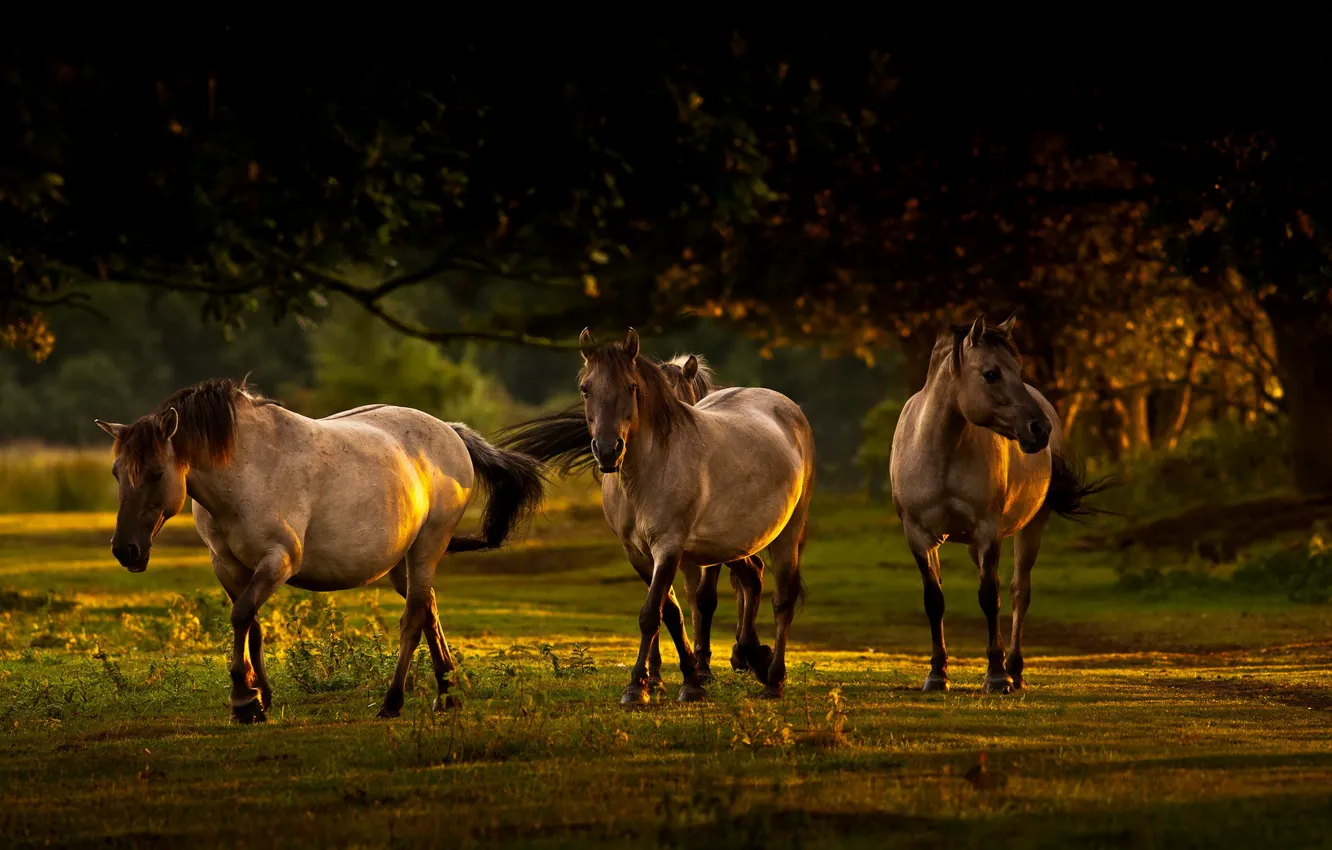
(748, 653)
(441, 658)
(1026, 547)
(788, 589)
(421, 560)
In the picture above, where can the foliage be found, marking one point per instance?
(357, 360)
(1303, 572)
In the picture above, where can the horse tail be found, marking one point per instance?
(514, 484)
(1070, 489)
(560, 439)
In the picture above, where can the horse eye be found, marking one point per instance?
(584, 391)
(992, 376)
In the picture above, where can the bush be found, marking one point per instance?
(1303, 572)
(1218, 463)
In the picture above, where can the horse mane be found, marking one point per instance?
(950, 343)
(657, 402)
(205, 433)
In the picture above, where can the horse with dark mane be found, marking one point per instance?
(320, 504)
(977, 457)
(705, 484)
(564, 438)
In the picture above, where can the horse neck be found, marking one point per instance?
(941, 423)
(219, 490)
(646, 459)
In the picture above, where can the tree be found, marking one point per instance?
(801, 186)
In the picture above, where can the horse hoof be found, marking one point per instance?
(760, 661)
(447, 702)
(656, 686)
(266, 699)
(251, 712)
(389, 713)
(999, 685)
(692, 693)
(635, 695)
(935, 684)
(772, 692)
(738, 662)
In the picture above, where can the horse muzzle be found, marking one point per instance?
(131, 557)
(1034, 437)
(608, 462)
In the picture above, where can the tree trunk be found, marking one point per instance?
(1140, 424)
(1304, 357)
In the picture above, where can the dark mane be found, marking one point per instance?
(657, 402)
(206, 433)
(990, 335)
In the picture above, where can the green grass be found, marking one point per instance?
(1197, 718)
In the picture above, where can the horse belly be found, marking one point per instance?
(726, 535)
(359, 542)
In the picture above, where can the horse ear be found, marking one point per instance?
(586, 343)
(690, 368)
(1008, 324)
(169, 422)
(631, 344)
(977, 332)
(112, 428)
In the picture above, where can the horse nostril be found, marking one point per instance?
(132, 551)
(619, 445)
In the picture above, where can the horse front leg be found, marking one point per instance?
(257, 676)
(650, 619)
(986, 557)
(925, 548)
(247, 702)
(701, 588)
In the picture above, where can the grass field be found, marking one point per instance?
(1195, 718)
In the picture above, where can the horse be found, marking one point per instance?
(319, 504)
(978, 457)
(564, 439)
(691, 378)
(704, 485)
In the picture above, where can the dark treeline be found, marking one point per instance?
(1155, 209)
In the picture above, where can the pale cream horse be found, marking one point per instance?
(319, 504)
(705, 485)
(977, 457)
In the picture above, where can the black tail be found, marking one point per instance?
(560, 439)
(514, 485)
(1069, 489)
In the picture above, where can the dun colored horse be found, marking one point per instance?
(691, 379)
(564, 439)
(977, 457)
(703, 485)
(319, 504)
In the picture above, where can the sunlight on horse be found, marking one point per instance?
(699, 485)
(320, 504)
(977, 457)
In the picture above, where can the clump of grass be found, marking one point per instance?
(326, 654)
(41, 480)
